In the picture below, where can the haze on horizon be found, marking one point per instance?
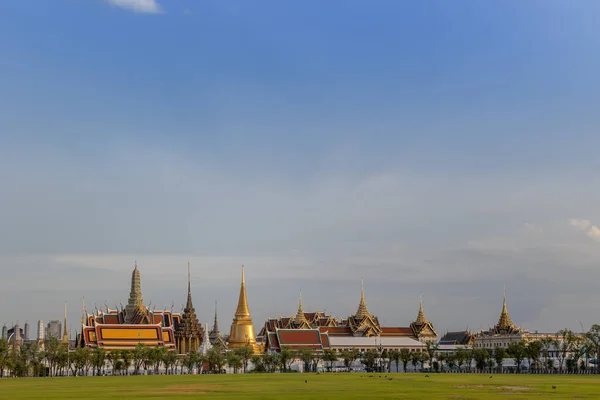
(443, 148)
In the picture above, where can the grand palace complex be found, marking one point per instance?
(136, 323)
(125, 327)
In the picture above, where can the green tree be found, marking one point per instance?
(499, 356)
(271, 361)
(4, 356)
(533, 353)
(451, 360)
(234, 360)
(462, 355)
(259, 363)
(190, 360)
(431, 349)
(126, 357)
(286, 357)
(518, 351)
(417, 358)
(481, 356)
(306, 356)
(592, 343)
(406, 357)
(215, 359)
(395, 357)
(169, 361)
(349, 356)
(138, 355)
(113, 357)
(245, 353)
(566, 343)
(329, 357)
(369, 359)
(97, 359)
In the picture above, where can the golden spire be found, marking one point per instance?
(242, 308)
(65, 338)
(362, 306)
(504, 320)
(421, 315)
(83, 310)
(300, 318)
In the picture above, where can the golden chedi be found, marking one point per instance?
(242, 328)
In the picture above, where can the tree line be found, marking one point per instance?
(565, 348)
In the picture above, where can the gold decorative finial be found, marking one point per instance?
(300, 317)
(421, 314)
(65, 338)
(242, 308)
(83, 310)
(362, 306)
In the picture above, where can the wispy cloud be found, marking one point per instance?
(581, 224)
(594, 233)
(141, 6)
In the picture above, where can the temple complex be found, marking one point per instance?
(188, 334)
(125, 327)
(362, 330)
(242, 328)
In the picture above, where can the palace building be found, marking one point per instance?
(362, 331)
(125, 327)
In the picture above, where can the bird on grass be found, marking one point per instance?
(553, 387)
(490, 377)
(426, 376)
(305, 381)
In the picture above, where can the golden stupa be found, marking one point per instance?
(242, 328)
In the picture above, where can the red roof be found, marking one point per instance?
(298, 336)
(336, 330)
(325, 340)
(396, 331)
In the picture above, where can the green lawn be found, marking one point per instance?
(293, 386)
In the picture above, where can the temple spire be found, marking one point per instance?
(504, 321)
(216, 323)
(242, 308)
(136, 302)
(65, 338)
(300, 318)
(362, 306)
(189, 305)
(421, 314)
(83, 310)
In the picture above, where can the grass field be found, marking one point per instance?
(293, 386)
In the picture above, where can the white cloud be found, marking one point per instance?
(581, 224)
(594, 233)
(142, 6)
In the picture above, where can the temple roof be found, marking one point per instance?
(462, 337)
(504, 322)
(362, 311)
(421, 314)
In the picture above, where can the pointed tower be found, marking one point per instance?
(214, 333)
(65, 337)
(135, 304)
(422, 328)
(242, 328)
(505, 325)
(362, 311)
(206, 345)
(421, 314)
(188, 334)
(300, 319)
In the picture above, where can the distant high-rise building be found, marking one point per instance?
(54, 329)
(4, 332)
(26, 331)
(40, 332)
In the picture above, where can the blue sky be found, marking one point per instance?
(448, 148)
